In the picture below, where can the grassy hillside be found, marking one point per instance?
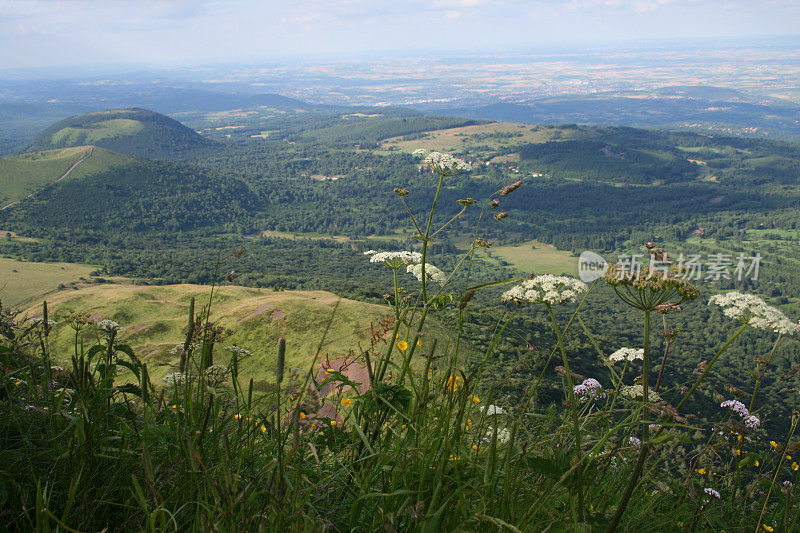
(27, 173)
(133, 131)
(20, 281)
(155, 317)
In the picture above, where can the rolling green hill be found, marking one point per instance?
(25, 174)
(155, 318)
(134, 131)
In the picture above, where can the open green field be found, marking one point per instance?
(155, 318)
(21, 281)
(476, 139)
(27, 173)
(536, 257)
(97, 131)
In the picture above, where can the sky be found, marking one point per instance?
(51, 33)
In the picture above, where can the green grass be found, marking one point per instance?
(27, 173)
(537, 257)
(117, 127)
(23, 281)
(155, 318)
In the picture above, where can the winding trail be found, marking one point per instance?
(64, 175)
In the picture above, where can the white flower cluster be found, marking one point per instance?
(39, 320)
(636, 392)
(755, 311)
(626, 354)
(411, 260)
(587, 390)
(109, 326)
(547, 289)
(492, 410)
(431, 272)
(443, 163)
(711, 492)
(239, 352)
(215, 374)
(174, 378)
(503, 434)
(177, 349)
(633, 441)
(751, 421)
(394, 259)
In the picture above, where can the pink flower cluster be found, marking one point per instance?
(751, 421)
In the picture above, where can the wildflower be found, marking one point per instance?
(646, 288)
(239, 352)
(263, 428)
(711, 492)
(302, 415)
(633, 441)
(773, 444)
(175, 378)
(492, 410)
(738, 451)
(39, 320)
(501, 215)
(588, 389)
(346, 402)
(109, 326)
(215, 374)
(394, 259)
(787, 483)
(626, 354)
(547, 288)
(668, 308)
(334, 423)
(635, 392)
(503, 434)
(795, 466)
(767, 528)
(475, 447)
(402, 346)
(701, 471)
(737, 407)
(443, 164)
(237, 416)
(178, 349)
(757, 463)
(754, 311)
(476, 399)
(753, 422)
(431, 272)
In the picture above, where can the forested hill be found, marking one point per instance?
(134, 131)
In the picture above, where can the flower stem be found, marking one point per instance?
(577, 427)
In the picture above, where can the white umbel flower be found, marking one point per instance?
(755, 311)
(431, 272)
(546, 288)
(636, 392)
(394, 259)
(492, 410)
(444, 164)
(109, 326)
(626, 354)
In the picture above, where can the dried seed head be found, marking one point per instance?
(239, 252)
(401, 192)
(494, 203)
(501, 215)
(232, 275)
(467, 202)
(510, 188)
(480, 242)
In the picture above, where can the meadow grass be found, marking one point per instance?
(23, 281)
(97, 131)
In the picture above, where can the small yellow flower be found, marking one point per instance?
(249, 419)
(475, 447)
(419, 343)
(773, 444)
(17, 383)
(739, 438)
(476, 399)
(767, 528)
(701, 471)
(403, 426)
(402, 346)
(789, 457)
(313, 424)
(302, 415)
(738, 452)
(757, 463)
(334, 423)
(329, 371)
(347, 402)
(263, 429)
(237, 416)
(795, 466)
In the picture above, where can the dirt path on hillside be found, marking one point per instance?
(64, 175)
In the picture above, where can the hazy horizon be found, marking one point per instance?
(51, 35)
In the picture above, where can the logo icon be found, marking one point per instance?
(591, 266)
